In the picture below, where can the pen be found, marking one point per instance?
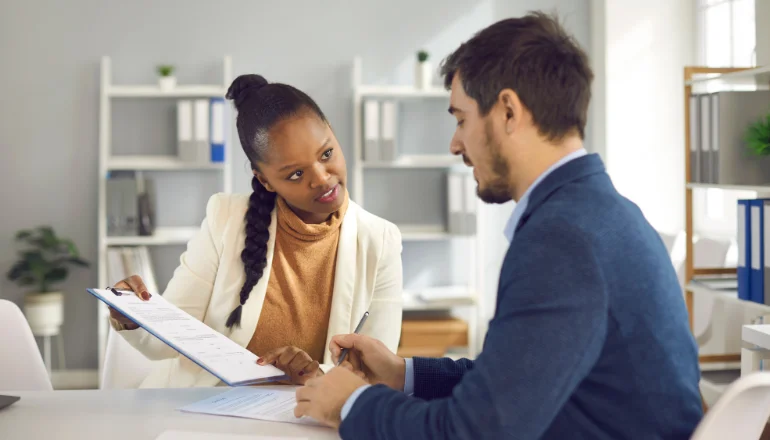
(358, 329)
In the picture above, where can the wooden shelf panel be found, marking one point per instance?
(759, 75)
(757, 188)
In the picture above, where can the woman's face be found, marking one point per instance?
(304, 165)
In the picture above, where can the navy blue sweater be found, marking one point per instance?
(590, 337)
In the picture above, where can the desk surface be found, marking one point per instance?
(129, 415)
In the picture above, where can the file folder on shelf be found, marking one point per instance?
(744, 250)
(766, 249)
(757, 274)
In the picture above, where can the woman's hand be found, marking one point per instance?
(135, 284)
(294, 362)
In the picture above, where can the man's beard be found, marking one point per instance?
(496, 190)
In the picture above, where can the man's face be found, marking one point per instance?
(479, 142)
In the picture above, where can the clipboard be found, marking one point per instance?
(212, 351)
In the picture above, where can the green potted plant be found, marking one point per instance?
(44, 261)
(757, 136)
(166, 80)
(423, 71)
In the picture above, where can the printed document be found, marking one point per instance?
(213, 351)
(174, 434)
(252, 403)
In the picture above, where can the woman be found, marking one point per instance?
(283, 270)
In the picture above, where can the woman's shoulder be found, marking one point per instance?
(223, 208)
(224, 204)
(374, 227)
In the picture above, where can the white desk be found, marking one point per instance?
(129, 415)
(756, 339)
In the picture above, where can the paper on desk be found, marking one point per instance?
(197, 435)
(252, 403)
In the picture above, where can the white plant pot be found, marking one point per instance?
(423, 75)
(44, 312)
(167, 83)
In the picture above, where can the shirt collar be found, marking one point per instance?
(521, 206)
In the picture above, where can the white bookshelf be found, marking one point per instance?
(416, 162)
(423, 232)
(181, 91)
(162, 236)
(156, 163)
(388, 91)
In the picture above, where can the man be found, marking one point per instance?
(590, 338)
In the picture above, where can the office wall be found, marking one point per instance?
(647, 46)
(49, 105)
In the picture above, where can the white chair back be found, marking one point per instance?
(21, 365)
(124, 366)
(741, 413)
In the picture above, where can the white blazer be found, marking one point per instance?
(210, 276)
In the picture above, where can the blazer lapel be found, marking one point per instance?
(253, 307)
(344, 278)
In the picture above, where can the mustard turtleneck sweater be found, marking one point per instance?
(299, 291)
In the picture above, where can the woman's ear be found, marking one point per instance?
(263, 181)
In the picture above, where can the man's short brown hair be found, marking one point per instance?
(536, 58)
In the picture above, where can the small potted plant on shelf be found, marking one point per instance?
(44, 260)
(167, 80)
(757, 136)
(423, 71)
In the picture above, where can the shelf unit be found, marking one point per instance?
(156, 163)
(711, 79)
(108, 162)
(417, 233)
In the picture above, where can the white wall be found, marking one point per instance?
(647, 45)
(762, 17)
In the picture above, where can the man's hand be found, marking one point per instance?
(372, 358)
(294, 362)
(322, 398)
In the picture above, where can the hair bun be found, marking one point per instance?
(243, 86)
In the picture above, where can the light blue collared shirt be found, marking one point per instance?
(510, 228)
(521, 206)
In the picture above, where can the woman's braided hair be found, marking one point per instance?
(260, 105)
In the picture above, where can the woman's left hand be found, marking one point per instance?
(294, 362)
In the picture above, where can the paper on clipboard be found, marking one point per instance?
(213, 351)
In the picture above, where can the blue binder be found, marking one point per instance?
(757, 273)
(744, 250)
(218, 129)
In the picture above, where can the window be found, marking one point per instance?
(726, 33)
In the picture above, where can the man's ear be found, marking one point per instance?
(263, 181)
(512, 109)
